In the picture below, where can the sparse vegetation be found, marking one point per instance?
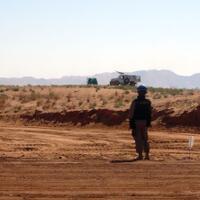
(53, 95)
(39, 103)
(127, 100)
(3, 99)
(32, 96)
(97, 89)
(190, 92)
(157, 96)
(88, 100)
(166, 91)
(24, 90)
(58, 98)
(127, 92)
(69, 96)
(17, 108)
(80, 103)
(124, 87)
(118, 103)
(92, 105)
(15, 88)
(104, 102)
(111, 97)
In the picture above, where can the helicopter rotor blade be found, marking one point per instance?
(120, 72)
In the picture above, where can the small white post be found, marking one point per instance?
(190, 144)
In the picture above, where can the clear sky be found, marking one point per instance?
(54, 38)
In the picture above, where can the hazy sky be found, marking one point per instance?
(53, 38)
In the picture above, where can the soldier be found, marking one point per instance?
(140, 120)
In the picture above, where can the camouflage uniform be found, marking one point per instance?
(140, 120)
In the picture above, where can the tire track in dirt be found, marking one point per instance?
(142, 180)
(95, 164)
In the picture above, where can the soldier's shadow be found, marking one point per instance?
(123, 161)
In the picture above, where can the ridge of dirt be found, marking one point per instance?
(166, 117)
(190, 119)
(85, 117)
(95, 106)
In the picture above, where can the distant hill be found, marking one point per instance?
(155, 78)
(168, 79)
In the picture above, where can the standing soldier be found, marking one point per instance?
(140, 120)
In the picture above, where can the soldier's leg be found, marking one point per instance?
(146, 144)
(138, 140)
(133, 135)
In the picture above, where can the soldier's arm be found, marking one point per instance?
(149, 114)
(131, 110)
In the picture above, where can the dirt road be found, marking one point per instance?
(54, 163)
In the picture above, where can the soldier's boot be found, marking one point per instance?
(146, 150)
(147, 156)
(139, 157)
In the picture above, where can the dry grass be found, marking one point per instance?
(58, 98)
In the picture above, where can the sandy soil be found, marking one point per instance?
(57, 163)
(22, 100)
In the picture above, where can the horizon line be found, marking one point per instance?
(92, 75)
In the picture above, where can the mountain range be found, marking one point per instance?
(154, 78)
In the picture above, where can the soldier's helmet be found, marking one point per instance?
(142, 89)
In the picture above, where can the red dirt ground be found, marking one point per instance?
(72, 163)
(61, 143)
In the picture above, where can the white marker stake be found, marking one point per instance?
(190, 144)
